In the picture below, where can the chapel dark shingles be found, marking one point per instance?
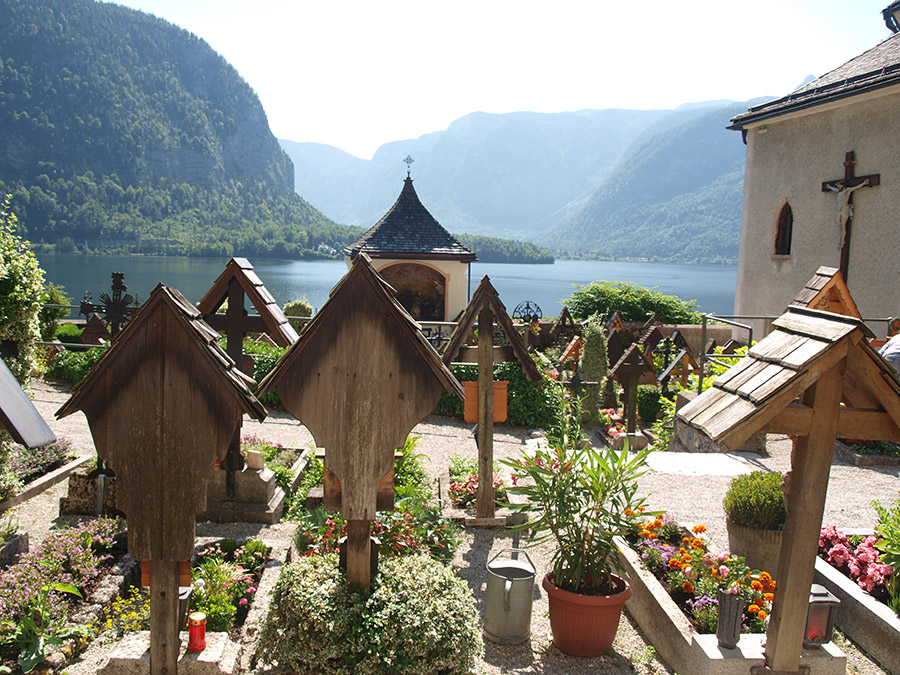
(408, 230)
(873, 69)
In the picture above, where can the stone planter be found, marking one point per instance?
(12, 548)
(869, 623)
(690, 653)
(760, 548)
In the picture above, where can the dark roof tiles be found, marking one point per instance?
(408, 230)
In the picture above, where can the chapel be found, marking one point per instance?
(427, 267)
(820, 186)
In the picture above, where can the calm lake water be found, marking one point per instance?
(713, 286)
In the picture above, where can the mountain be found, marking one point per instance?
(637, 184)
(121, 131)
(501, 175)
(676, 196)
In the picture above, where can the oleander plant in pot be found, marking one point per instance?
(580, 498)
(754, 517)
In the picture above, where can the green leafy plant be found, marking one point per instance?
(663, 427)
(419, 618)
(74, 366)
(224, 581)
(648, 402)
(410, 477)
(888, 543)
(632, 302)
(68, 332)
(39, 628)
(579, 497)
(594, 367)
(756, 500)
(49, 317)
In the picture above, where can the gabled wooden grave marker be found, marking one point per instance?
(237, 282)
(615, 348)
(816, 378)
(572, 352)
(681, 367)
(162, 405)
(615, 323)
(18, 414)
(564, 328)
(486, 307)
(650, 338)
(827, 291)
(634, 368)
(361, 377)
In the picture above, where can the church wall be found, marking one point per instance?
(788, 162)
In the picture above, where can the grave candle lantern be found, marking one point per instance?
(820, 619)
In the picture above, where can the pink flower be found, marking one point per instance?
(243, 601)
(723, 571)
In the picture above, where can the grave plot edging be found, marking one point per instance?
(45, 482)
(656, 613)
(869, 623)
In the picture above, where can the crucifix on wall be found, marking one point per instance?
(845, 187)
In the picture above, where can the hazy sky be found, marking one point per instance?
(359, 73)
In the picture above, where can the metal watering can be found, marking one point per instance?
(510, 592)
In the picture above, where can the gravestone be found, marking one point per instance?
(361, 377)
(162, 405)
(632, 369)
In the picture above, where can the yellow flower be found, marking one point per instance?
(756, 585)
(753, 609)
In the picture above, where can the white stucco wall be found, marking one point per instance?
(455, 272)
(787, 160)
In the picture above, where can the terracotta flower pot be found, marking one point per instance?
(585, 625)
(760, 548)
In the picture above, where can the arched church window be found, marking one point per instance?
(783, 231)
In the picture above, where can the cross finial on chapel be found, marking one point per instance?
(408, 161)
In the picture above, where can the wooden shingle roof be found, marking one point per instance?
(760, 393)
(408, 230)
(874, 69)
(828, 291)
(273, 319)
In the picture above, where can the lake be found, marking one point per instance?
(713, 286)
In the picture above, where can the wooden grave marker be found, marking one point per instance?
(361, 377)
(615, 347)
(564, 328)
(236, 282)
(18, 414)
(816, 378)
(634, 368)
(162, 405)
(486, 307)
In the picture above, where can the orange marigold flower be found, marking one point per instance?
(629, 512)
(696, 543)
(686, 558)
(687, 587)
(675, 563)
(765, 577)
(645, 534)
(641, 509)
(768, 597)
(756, 585)
(652, 535)
(699, 529)
(686, 540)
(762, 614)
(753, 609)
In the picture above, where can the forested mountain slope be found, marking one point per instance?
(121, 131)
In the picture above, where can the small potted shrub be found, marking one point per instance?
(755, 516)
(581, 498)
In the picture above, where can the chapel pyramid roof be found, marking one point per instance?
(408, 230)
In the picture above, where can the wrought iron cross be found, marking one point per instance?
(408, 161)
(845, 187)
(116, 311)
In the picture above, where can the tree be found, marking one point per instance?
(21, 290)
(633, 303)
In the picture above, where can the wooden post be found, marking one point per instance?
(164, 617)
(631, 403)
(234, 347)
(484, 504)
(359, 553)
(805, 498)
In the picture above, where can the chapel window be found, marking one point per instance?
(783, 231)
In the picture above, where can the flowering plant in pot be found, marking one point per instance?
(581, 498)
(754, 517)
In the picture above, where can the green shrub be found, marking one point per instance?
(68, 332)
(648, 404)
(265, 356)
(663, 427)
(529, 404)
(294, 308)
(49, 317)
(633, 303)
(419, 618)
(74, 366)
(410, 477)
(756, 500)
(594, 367)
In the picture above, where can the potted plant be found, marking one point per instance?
(754, 517)
(580, 497)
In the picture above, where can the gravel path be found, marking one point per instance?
(690, 487)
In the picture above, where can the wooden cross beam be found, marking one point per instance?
(845, 187)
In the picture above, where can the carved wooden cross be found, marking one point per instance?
(845, 187)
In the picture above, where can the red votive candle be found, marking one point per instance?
(197, 632)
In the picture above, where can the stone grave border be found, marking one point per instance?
(845, 453)
(45, 482)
